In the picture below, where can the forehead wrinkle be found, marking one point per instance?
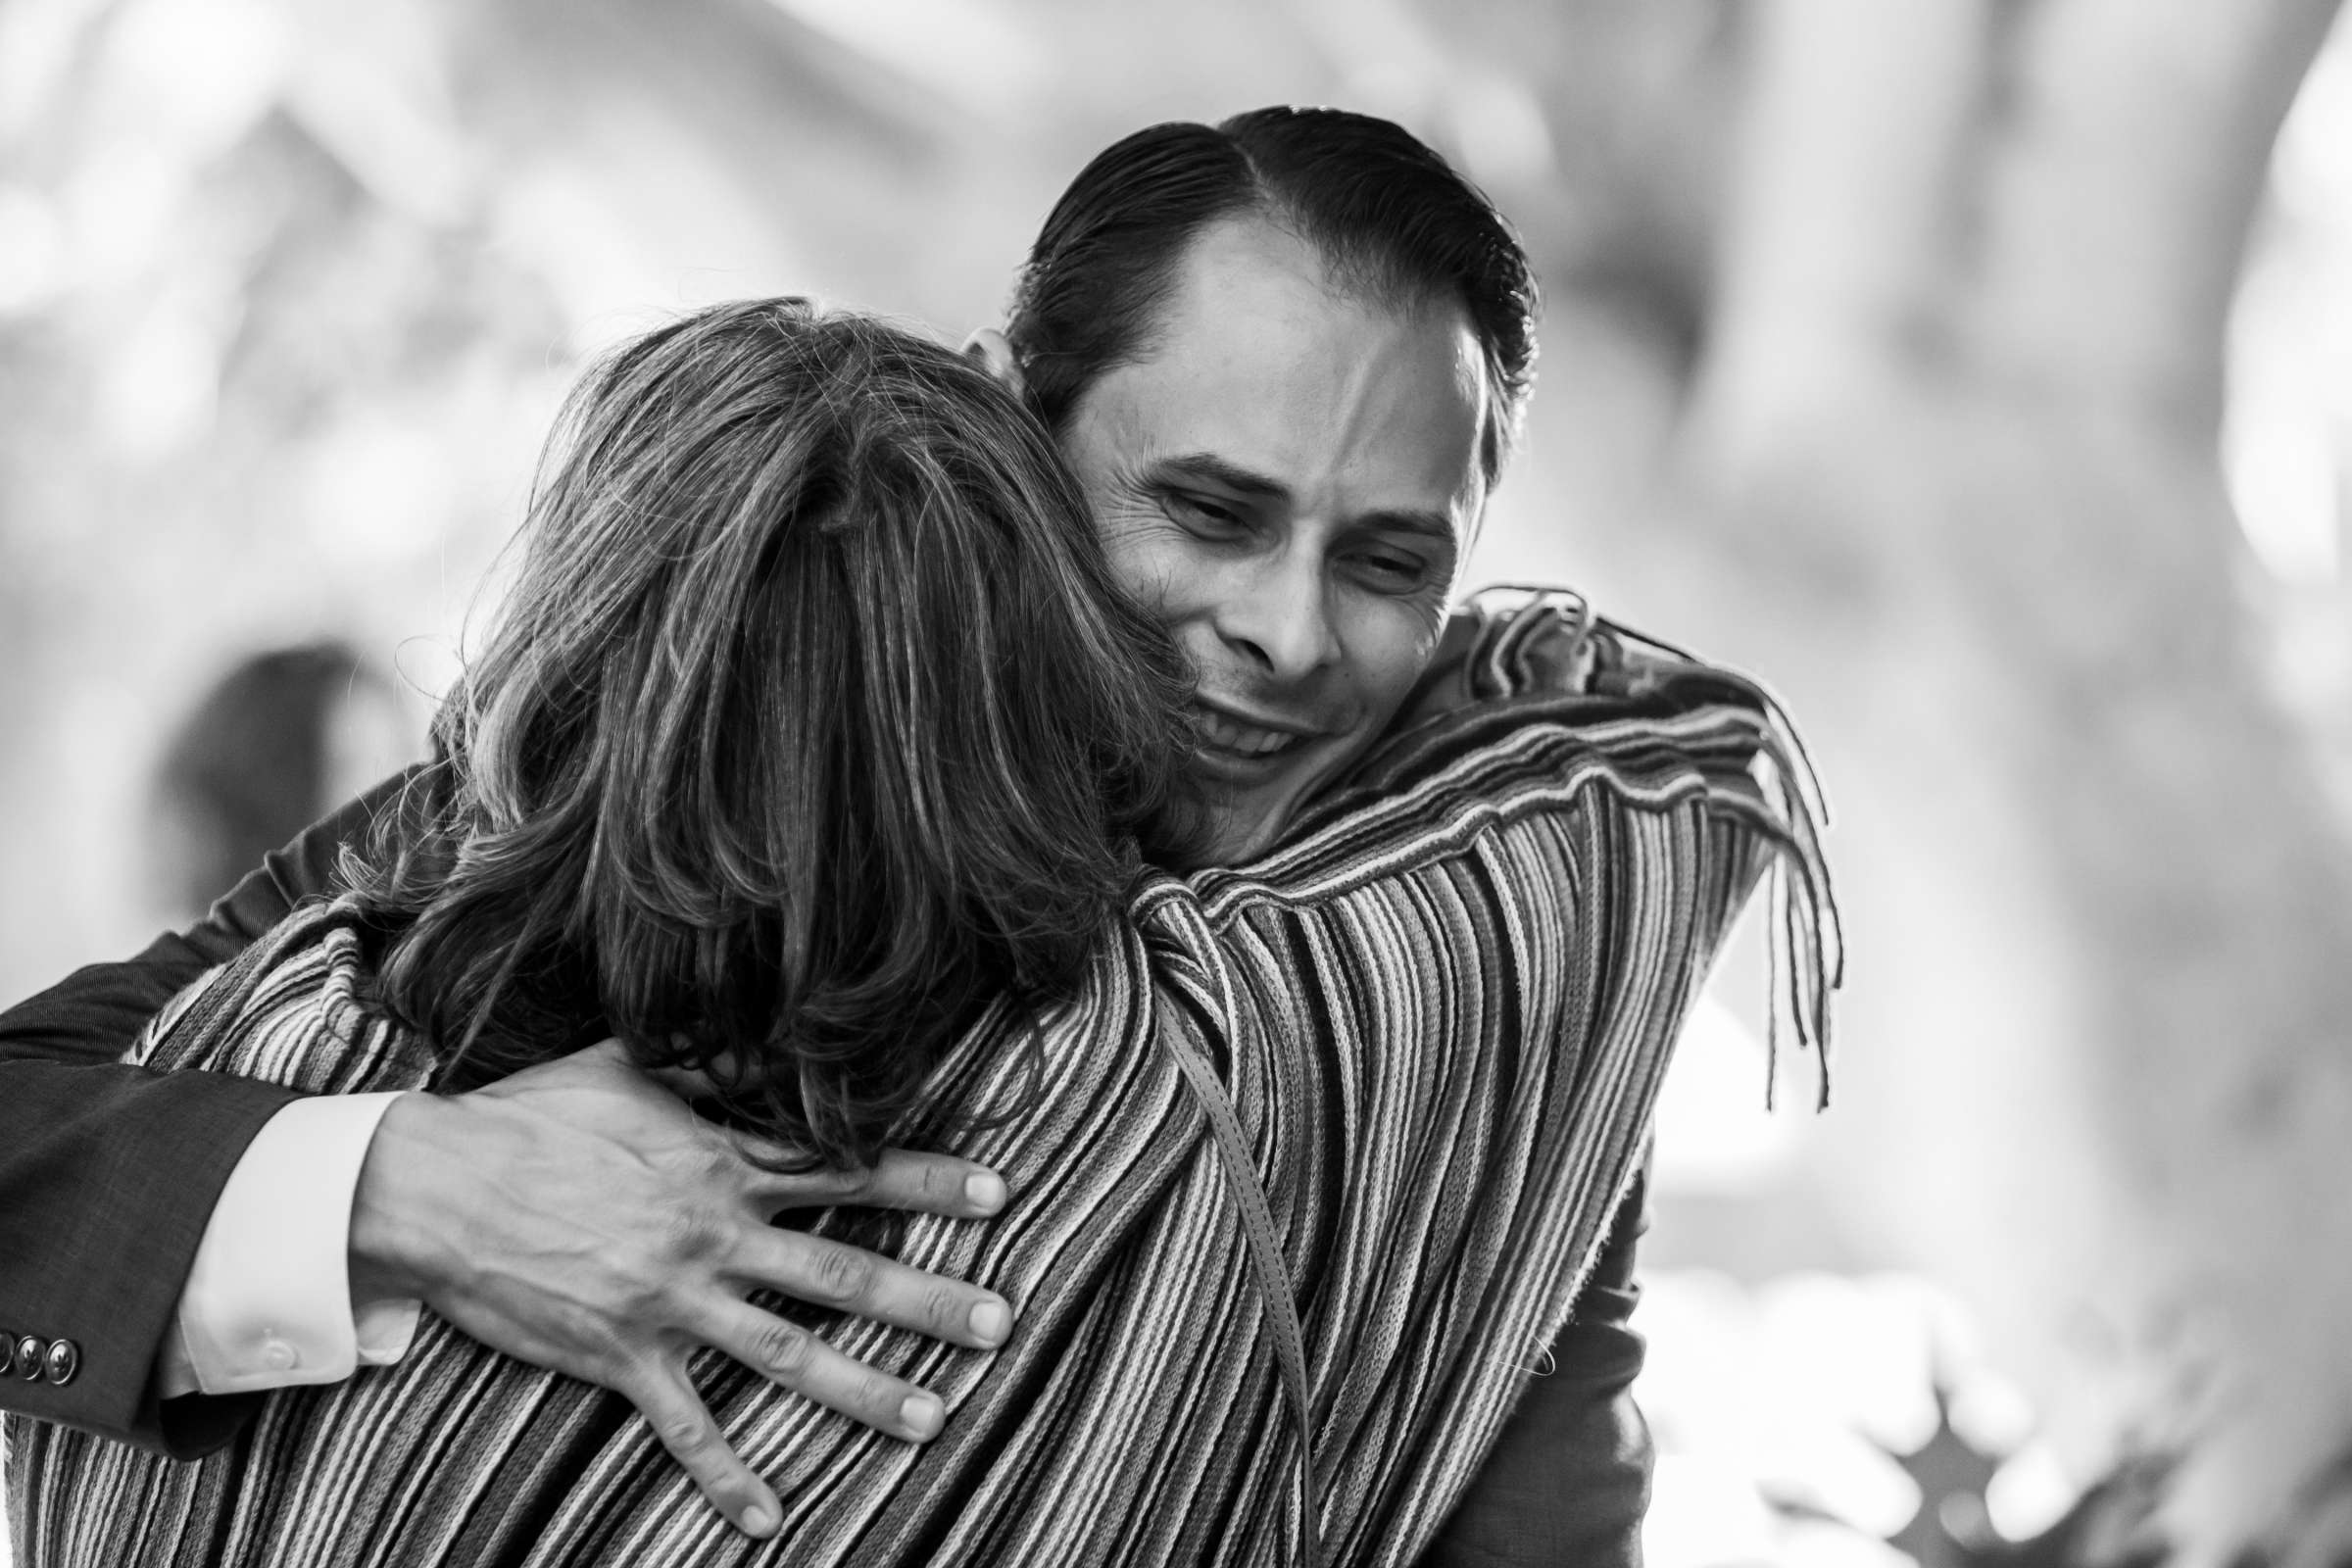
(1363, 278)
(1343, 406)
(1332, 402)
(1372, 282)
(1365, 408)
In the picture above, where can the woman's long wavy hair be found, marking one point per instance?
(814, 723)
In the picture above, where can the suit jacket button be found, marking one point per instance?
(63, 1361)
(8, 1352)
(29, 1350)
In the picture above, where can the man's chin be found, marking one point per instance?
(1245, 808)
(1234, 831)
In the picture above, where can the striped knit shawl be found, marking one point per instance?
(1438, 1017)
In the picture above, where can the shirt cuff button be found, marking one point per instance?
(279, 1357)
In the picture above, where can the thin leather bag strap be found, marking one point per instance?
(1266, 1261)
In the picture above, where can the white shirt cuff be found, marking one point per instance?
(267, 1303)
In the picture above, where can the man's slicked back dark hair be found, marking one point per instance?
(1388, 218)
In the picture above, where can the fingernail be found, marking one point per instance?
(922, 1414)
(985, 1191)
(758, 1521)
(990, 1321)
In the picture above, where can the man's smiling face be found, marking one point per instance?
(1290, 475)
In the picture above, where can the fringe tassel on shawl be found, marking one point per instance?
(1804, 938)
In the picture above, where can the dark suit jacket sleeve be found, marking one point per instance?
(108, 1173)
(1568, 1482)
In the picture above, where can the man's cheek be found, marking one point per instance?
(1143, 576)
(1151, 567)
(1394, 662)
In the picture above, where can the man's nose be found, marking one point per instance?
(1278, 615)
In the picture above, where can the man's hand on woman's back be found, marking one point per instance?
(580, 1217)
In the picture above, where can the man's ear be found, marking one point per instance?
(993, 352)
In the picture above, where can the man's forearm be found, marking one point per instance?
(269, 1302)
(1568, 1480)
(109, 1173)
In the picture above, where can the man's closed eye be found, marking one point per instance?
(1205, 516)
(1385, 572)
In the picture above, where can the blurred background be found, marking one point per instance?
(1980, 371)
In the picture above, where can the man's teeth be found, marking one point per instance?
(1247, 739)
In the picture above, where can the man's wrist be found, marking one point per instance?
(268, 1302)
(391, 1251)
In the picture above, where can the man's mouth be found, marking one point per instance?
(1242, 748)
(1219, 732)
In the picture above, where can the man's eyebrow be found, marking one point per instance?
(1431, 524)
(1207, 465)
(1218, 470)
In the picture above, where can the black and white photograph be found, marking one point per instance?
(1263, 783)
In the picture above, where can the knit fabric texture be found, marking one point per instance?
(1438, 1014)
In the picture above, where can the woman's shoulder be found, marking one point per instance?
(1532, 702)
(293, 1008)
